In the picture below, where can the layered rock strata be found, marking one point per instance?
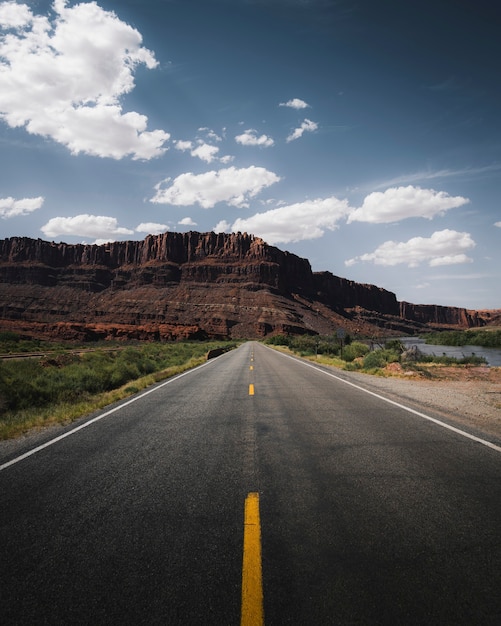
(187, 285)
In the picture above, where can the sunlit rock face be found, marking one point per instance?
(192, 285)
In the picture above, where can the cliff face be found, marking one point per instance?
(346, 294)
(159, 260)
(440, 315)
(191, 285)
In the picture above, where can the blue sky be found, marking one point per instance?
(364, 136)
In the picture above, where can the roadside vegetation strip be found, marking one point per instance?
(365, 356)
(486, 338)
(11, 342)
(34, 355)
(59, 388)
(98, 418)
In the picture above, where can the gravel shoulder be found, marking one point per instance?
(468, 396)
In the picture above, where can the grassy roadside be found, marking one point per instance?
(61, 387)
(387, 360)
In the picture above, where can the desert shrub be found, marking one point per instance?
(380, 358)
(328, 345)
(278, 340)
(304, 344)
(308, 344)
(17, 383)
(472, 360)
(354, 350)
(395, 345)
(451, 360)
(123, 372)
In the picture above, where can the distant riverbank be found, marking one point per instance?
(491, 355)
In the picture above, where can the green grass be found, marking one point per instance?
(12, 343)
(36, 392)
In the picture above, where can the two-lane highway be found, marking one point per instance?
(368, 513)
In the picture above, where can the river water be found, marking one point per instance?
(491, 355)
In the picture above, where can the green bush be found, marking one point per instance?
(380, 358)
(375, 359)
(328, 346)
(395, 345)
(278, 340)
(354, 350)
(305, 344)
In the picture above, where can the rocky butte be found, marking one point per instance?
(194, 285)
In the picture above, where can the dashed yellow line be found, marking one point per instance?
(251, 367)
(251, 389)
(252, 580)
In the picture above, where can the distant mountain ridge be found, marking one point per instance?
(182, 285)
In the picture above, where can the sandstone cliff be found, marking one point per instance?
(182, 285)
(440, 315)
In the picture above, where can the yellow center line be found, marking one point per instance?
(251, 389)
(252, 583)
(251, 367)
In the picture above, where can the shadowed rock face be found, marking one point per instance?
(440, 315)
(187, 285)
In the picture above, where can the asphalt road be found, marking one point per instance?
(370, 514)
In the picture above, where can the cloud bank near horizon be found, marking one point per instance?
(295, 222)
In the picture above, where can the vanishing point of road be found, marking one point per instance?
(255, 489)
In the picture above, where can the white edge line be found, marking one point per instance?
(484, 442)
(99, 417)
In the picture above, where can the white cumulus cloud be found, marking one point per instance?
(231, 185)
(205, 152)
(9, 207)
(13, 15)
(63, 76)
(183, 145)
(222, 227)
(201, 149)
(444, 247)
(99, 226)
(250, 138)
(187, 221)
(399, 203)
(306, 126)
(151, 228)
(210, 134)
(295, 222)
(295, 103)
